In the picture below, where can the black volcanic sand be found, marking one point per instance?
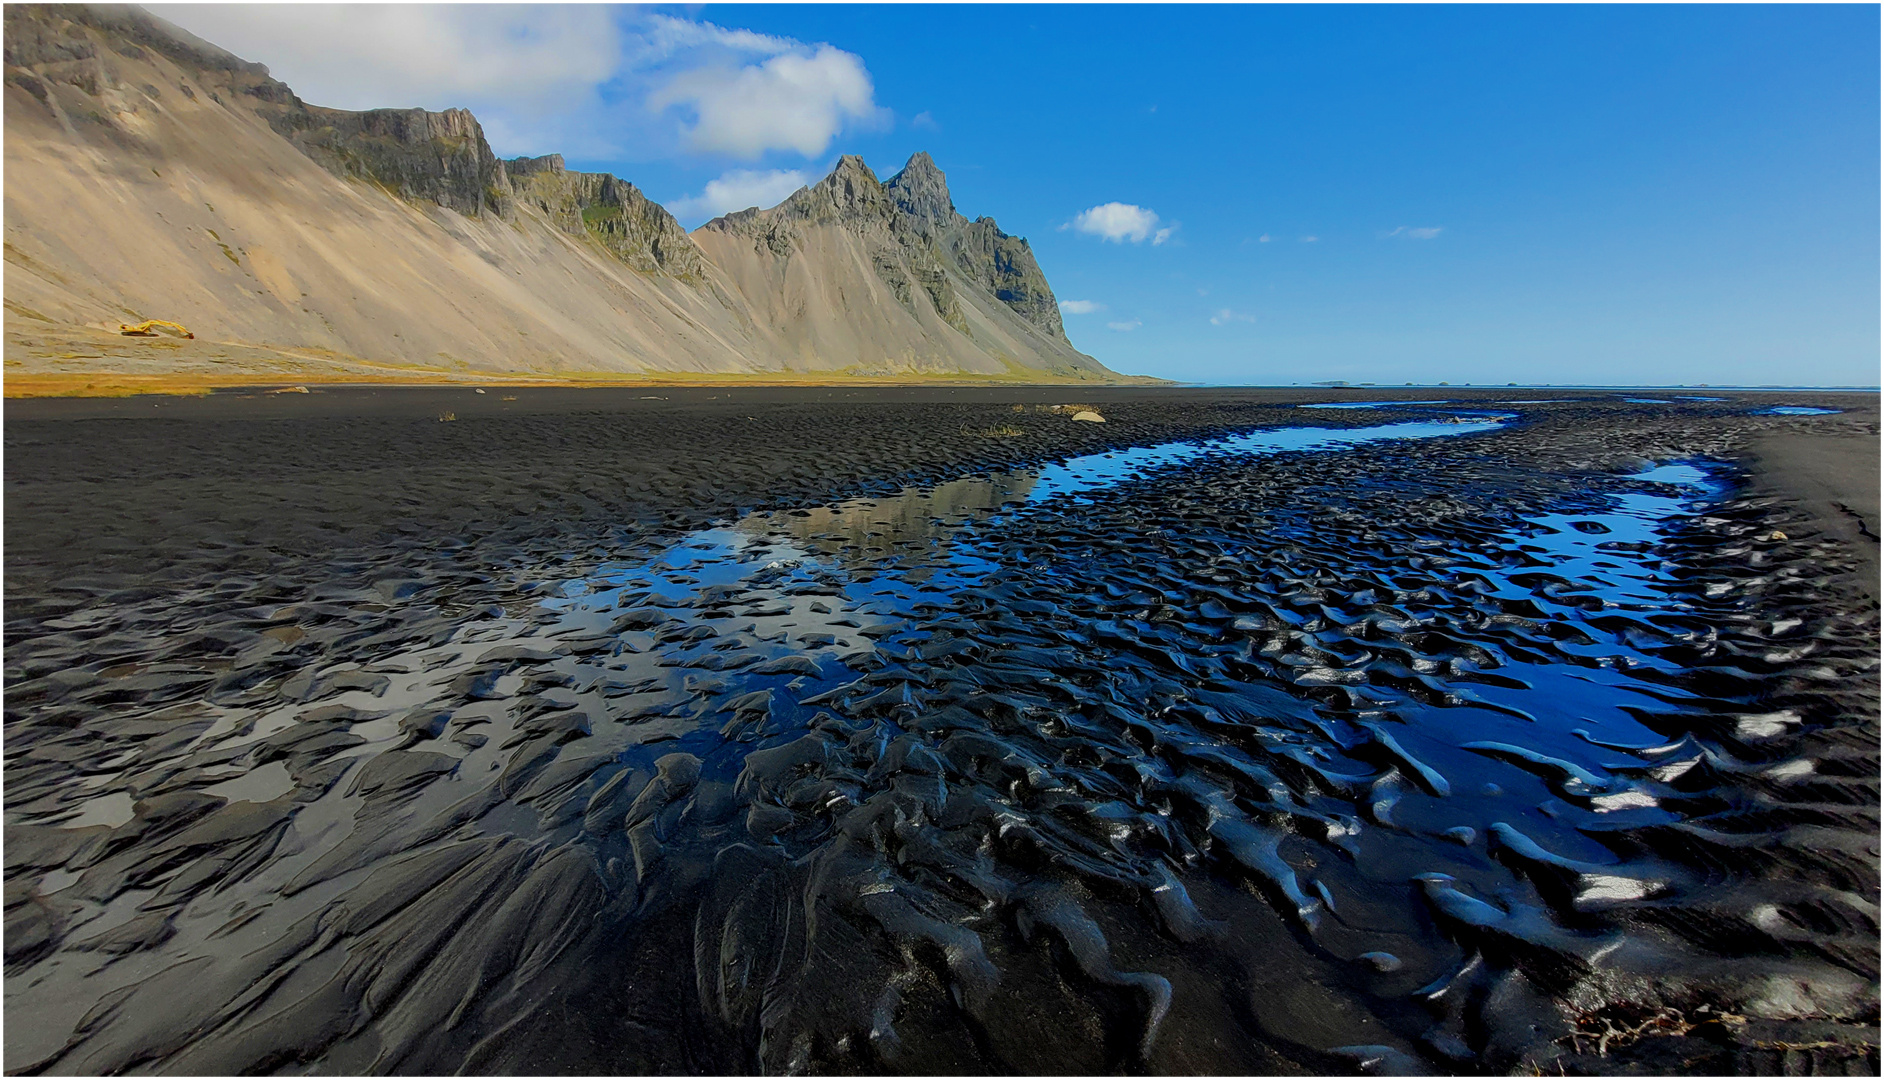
(795, 730)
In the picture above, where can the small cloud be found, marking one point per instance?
(1119, 222)
(666, 35)
(1263, 239)
(798, 101)
(737, 190)
(1124, 327)
(1310, 239)
(1203, 292)
(1163, 234)
(1424, 233)
(1080, 307)
(924, 121)
(1225, 317)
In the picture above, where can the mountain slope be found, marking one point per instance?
(144, 183)
(152, 175)
(842, 269)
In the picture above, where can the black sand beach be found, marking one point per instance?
(669, 730)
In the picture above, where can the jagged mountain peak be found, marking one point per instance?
(916, 196)
(921, 192)
(913, 211)
(851, 189)
(850, 165)
(920, 171)
(850, 193)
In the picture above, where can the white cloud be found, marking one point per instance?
(1225, 317)
(924, 121)
(1263, 239)
(1310, 239)
(1119, 222)
(434, 56)
(1124, 326)
(737, 190)
(1425, 233)
(795, 101)
(666, 36)
(1080, 307)
(591, 81)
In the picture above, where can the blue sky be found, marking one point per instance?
(1548, 194)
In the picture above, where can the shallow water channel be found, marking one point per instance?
(596, 750)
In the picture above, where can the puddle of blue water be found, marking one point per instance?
(1648, 401)
(768, 554)
(1584, 547)
(1795, 410)
(1585, 717)
(1084, 474)
(832, 583)
(836, 583)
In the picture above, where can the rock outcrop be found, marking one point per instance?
(440, 157)
(1003, 265)
(611, 211)
(151, 174)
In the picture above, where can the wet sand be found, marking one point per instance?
(1836, 479)
(828, 730)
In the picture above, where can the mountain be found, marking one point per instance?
(151, 174)
(859, 267)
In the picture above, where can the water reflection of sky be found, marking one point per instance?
(1585, 546)
(1580, 724)
(1795, 410)
(863, 575)
(1084, 474)
(915, 526)
(826, 582)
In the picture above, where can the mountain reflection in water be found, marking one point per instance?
(913, 518)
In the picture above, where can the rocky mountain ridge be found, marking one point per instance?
(1002, 264)
(612, 211)
(456, 258)
(919, 245)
